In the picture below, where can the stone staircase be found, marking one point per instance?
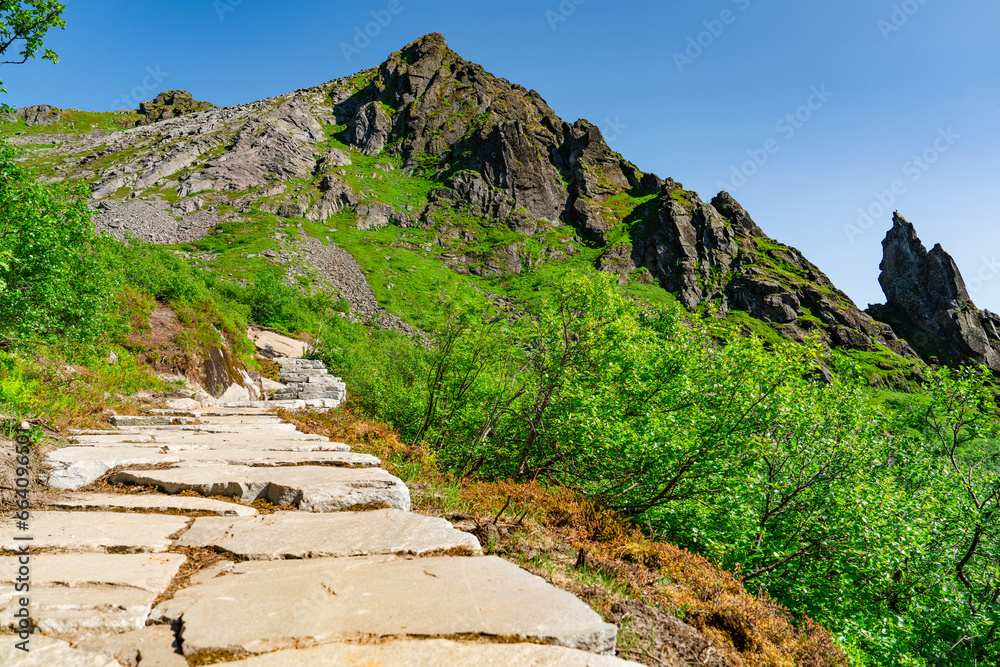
(182, 564)
(307, 385)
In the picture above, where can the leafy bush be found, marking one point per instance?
(56, 283)
(877, 518)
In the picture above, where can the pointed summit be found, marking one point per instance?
(928, 304)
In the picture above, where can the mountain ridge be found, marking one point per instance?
(483, 176)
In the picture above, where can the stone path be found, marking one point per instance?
(335, 571)
(306, 385)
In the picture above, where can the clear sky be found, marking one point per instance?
(808, 112)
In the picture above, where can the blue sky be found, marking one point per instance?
(809, 113)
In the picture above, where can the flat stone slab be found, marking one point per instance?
(46, 652)
(149, 420)
(433, 653)
(89, 592)
(276, 345)
(96, 531)
(75, 467)
(297, 535)
(117, 438)
(273, 605)
(151, 646)
(152, 501)
(309, 488)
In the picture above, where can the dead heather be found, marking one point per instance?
(672, 607)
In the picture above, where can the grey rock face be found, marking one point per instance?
(40, 114)
(927, 302)
(369, 128)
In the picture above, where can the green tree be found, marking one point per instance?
(23, 26)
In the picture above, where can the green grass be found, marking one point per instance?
(408, 283)
(395, 187)
(74, 122)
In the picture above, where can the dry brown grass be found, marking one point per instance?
(640, 583)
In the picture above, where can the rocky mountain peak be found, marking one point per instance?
(917, 282)
(928, 304)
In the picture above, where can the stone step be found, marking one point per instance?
(75, 467)
(45, 651)
(308, 488)
(303, 375)
(378, 597)
(152, 646)
(298, 535)
(267, 405)
(434, 653)
(216, 441)
(113, 532)
(89, 592)
(151, 501)
(283, 441)
(148, 420)
(301, 363)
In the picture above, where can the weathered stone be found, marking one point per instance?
(151, 501)
(272, 345)
(345, 598)
(151, 646)
(113, 532)
(928, 304)
(309, 488)
(47, 652)
(75, 467)
(295, 535)
(433, 653)
(148, 420)
(96, 592)
(369, 129)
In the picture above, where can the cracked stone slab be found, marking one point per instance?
(115, 532)
(309, 488)
(297, 535)
(152, 502)
(433, 653)
(337, 599)
(90, 592)
(212, 428)
(47, 652)
(151, 646)
(283, 445)
(75, 467)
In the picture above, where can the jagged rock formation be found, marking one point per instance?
(715, 252)
(171, 104)
(929, 305)
(39, 114)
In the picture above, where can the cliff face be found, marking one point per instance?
(929, 305)
(483, 174)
